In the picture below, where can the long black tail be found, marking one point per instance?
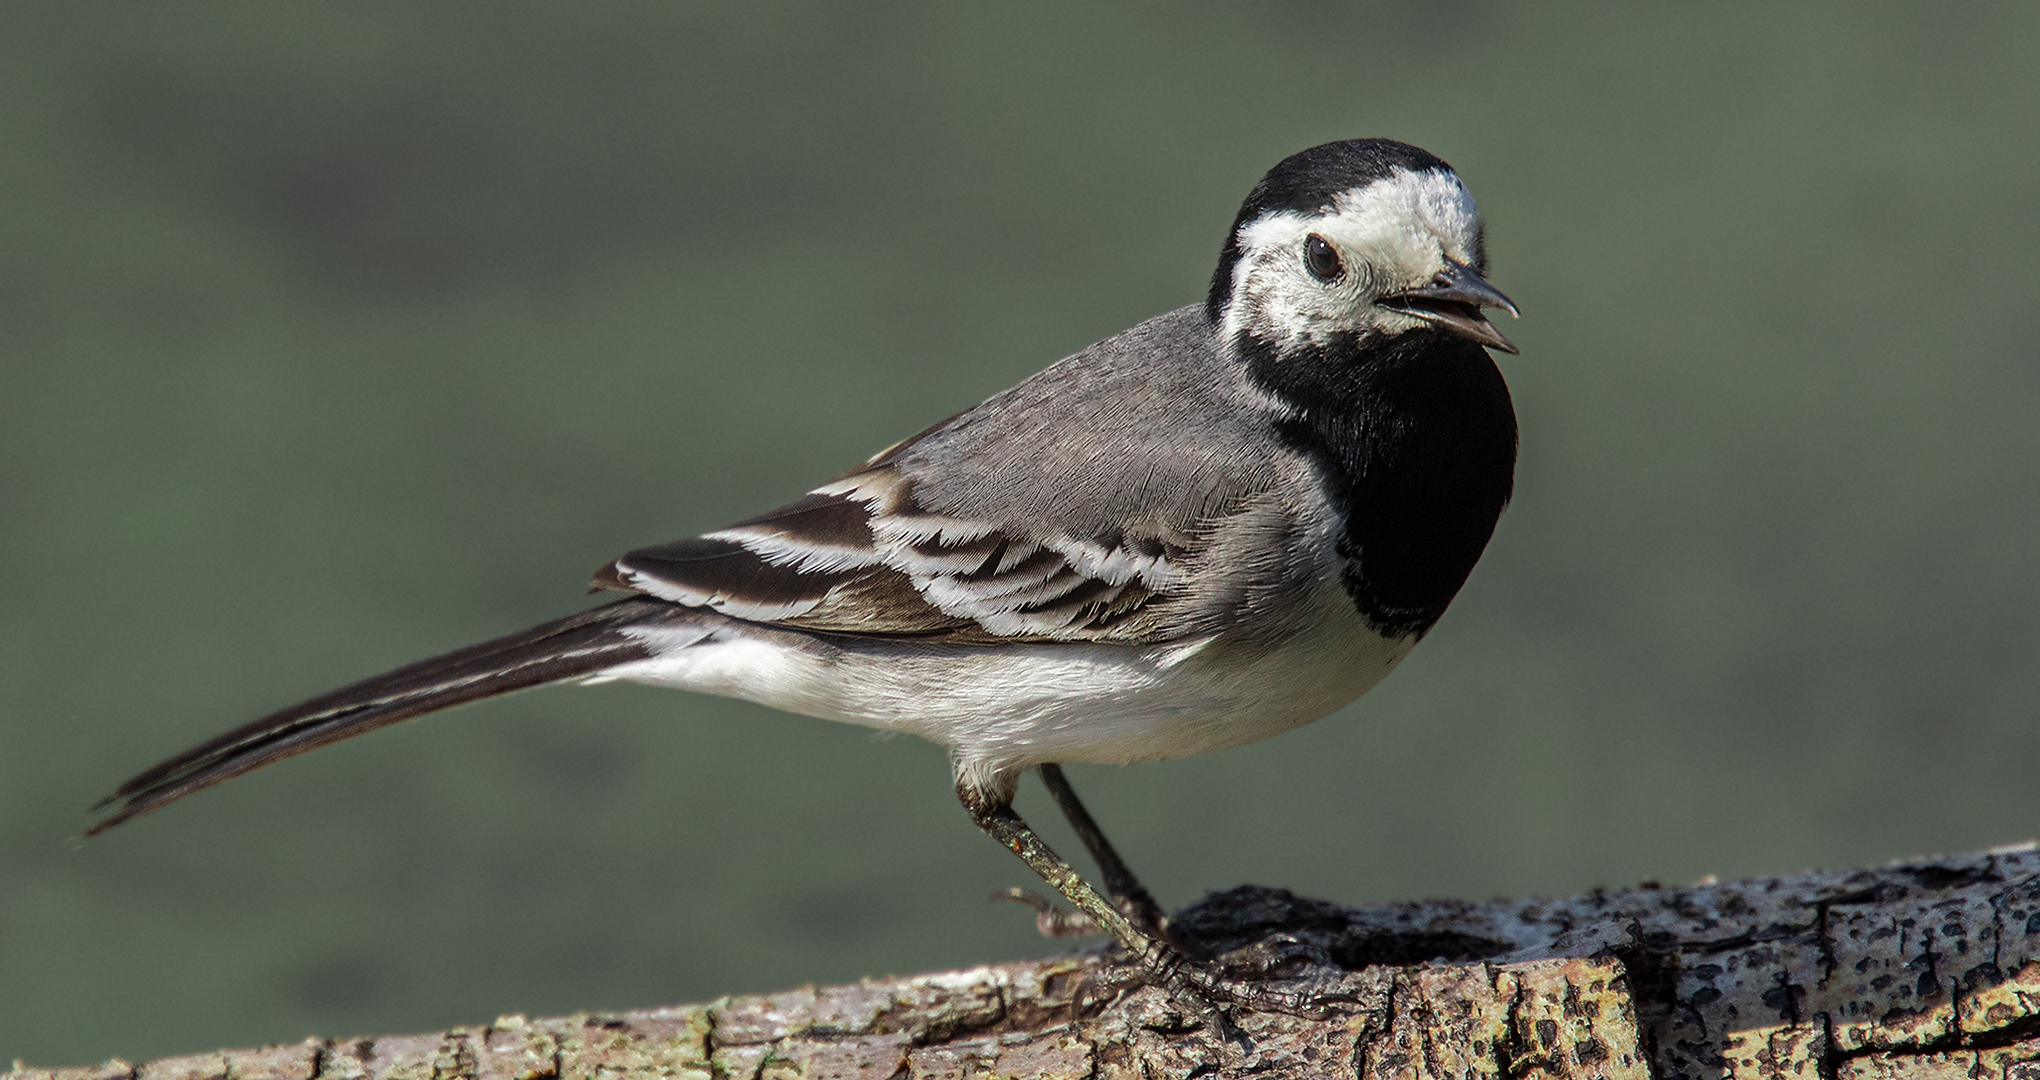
(576, 645)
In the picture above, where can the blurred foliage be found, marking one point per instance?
(334, 336)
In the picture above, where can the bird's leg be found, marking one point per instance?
(995, 815)
(1125, 889)
(1161, 964)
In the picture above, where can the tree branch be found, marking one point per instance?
(1927, 970)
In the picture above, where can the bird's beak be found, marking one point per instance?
(1453, 301)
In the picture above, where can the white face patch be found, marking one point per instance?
(1391, 235)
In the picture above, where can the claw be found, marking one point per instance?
(1051, 921)
(1212, 989)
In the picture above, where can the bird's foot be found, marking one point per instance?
(1051, 921)
(1196, 995)
(1213, 988)
(1055, 921)
(1281, 976)
(1278, 957)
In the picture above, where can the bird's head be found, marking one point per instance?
(1365, 240)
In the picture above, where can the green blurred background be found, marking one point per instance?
(335, 336)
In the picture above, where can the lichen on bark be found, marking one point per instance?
(1917, 971)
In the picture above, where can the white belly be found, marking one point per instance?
(1004, 708)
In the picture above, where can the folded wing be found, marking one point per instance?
(862, 556)
(1089, 503)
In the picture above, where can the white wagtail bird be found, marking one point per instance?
(1221, 524)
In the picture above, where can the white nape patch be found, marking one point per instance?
(1391, 235)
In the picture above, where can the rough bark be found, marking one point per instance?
(1922, 970)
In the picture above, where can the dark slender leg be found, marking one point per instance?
(1161, 963)
(1133, 898)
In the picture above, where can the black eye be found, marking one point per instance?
(1322, 258)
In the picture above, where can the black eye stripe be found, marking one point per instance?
(1322, 259)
